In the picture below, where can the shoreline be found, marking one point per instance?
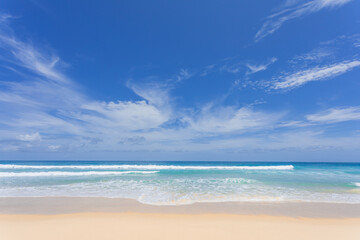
(73, 205)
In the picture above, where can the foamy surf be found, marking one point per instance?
(56, 174)
(164, 183)
(148, 167)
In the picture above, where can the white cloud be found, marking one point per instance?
(54, 147)
(230, 120)
(126, 115)
(335, 115)
(235, 65)
(332, 115)
(257, 68)
(44, 99)
(26, 56)
(182, 75)
(314, 55)
(208, 69)
(30, 137)
(314, 74)
(154, 93)
(5, 17)
(295, 124)
(292, 10)
(357, 42)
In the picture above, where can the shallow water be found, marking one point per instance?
(169, 183)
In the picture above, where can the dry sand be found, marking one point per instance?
(173, 226)
(100, 218)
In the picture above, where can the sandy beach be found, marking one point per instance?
(173, 226)
(101, 218)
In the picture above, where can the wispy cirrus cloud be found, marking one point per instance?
(328, 116)
(25, 55)
(313, 56)
(253, 68)
(182, 75)
(237, 66)
(292, 10)
(335, 115)
(293, 80)
(231, 120)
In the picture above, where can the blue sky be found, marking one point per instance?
(180, 80)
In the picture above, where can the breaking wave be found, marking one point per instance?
(148, 167)
(55, 174)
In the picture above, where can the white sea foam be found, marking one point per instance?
(357, 184)
(174, 189)
(147, 167)
(55, 174)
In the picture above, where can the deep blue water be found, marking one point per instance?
(184, 182)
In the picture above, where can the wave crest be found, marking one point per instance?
(148, 167)
(56, 174)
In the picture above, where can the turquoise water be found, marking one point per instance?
(169, 183)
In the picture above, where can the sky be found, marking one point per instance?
(180, 80)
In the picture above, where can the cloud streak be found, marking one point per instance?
(300, 78)
(26, 56)
(335, 115)
(293, 11)
(257, 68)
(231, 120)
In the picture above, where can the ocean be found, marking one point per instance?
(176, 183)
